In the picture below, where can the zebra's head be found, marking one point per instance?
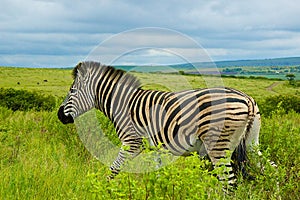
(81, 96)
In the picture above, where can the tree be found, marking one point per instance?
(291, 78)
(181, 72)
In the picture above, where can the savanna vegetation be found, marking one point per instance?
(40, 158)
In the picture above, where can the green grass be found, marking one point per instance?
(40, 158)
(58, 81)
(257, 88)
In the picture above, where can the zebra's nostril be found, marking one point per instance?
(65, 119)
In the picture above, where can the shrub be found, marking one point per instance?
(181, 72)
(24, 100)
(280, 102)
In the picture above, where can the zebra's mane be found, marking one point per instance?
(127, 79)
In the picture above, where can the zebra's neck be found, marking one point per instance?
(114, 90)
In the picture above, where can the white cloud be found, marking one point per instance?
(37, 29)
(149, 45)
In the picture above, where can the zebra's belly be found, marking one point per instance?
(197, 147)
(185, 149)
(183, 142)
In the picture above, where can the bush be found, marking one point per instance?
(280, 102)
(24, 100)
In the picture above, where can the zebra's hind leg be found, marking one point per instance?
(220, 155)
(222, 166)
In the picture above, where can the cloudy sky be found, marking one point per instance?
(59, 33)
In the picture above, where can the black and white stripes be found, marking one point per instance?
(224, 120)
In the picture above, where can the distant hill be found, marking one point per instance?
(292, 61)
(270, 68)
(274, 62)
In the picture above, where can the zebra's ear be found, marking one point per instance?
(82, 69)
(76, 70)
(79, 65)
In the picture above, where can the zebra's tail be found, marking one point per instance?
(239, 156)
(240, 159)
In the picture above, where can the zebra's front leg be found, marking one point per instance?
(127, 152)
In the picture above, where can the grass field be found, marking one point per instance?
(40, 158)
(59, 81)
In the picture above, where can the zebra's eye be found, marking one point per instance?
(73, 90)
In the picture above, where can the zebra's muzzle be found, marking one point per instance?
(65, 119)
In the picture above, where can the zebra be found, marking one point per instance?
(225, 121)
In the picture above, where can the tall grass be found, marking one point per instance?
(40, 158)
(43, 159)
